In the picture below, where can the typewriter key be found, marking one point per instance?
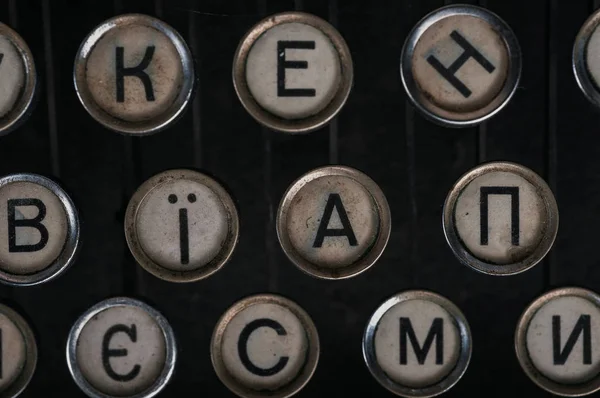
(17, 79)
(586, 58)
(293, 72)
(181, 225)
(500, 218)
(265, 346)
(18, 353)
(460, 65)
(39, 226)
(121, 347)
(334, 222)
(558, 341)
(134, 74)
(417, 344)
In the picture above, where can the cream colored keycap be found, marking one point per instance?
(35, 246)
(278, 48)
(12, 75)
(159, 223)
(181, 225)
(424, 318)
(482, 84)
(164, 70)
(265, 345)
(541, 334)
(274, 345)
(498, 189)
(121, 351)
(345, 199)
(333, 222)
(14, 352)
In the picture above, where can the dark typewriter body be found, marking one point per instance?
(548, 126)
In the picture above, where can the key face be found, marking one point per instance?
(121, 347)
(586, 59)
(265, 345)
(333, 222)
(500, 218)
(181, 225)
(460, 65)
(18, 80)
(558, 344)
(40, 226)
(18, 353)
(134, 74)
(417, 344)
(293, 72)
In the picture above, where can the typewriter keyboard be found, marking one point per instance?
(311, 198)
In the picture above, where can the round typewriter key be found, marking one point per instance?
(18, 353)
(39, 227)
(460, 65)
(334, 222)
(265, 346)
(586, 58)
(181, 225)
(500, 218)
(121, 347)
(134, 74)
(558, 341)
(432, 352)
(293, 72)
(17, 79)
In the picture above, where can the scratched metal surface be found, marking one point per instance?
(548, 126)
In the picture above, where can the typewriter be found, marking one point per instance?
(308, 198)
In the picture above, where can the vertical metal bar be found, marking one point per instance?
(197, 100)
(50, 90)
(158, 9)
(481, 136)
(12, 14)
(333, 125)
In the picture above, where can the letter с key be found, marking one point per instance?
(134, 74)
(121, 347)
(334, 222)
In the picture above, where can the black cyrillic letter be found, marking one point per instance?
(283, 64)
(14, 223)
(436, 331)
(1, 58)
(583, 325)
(137, 71)
(469, 52)
(484, 192)
(243, 346)
(107, 352)
(334, 200)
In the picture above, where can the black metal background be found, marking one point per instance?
(548, 126)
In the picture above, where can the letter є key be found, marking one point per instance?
(500, 218)
(558, 341)
(134, 74)
(293, 72)
(417, 344)
(334, 222)
(39, 230)
(460, 65)
(121, 347)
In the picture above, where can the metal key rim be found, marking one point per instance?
(266, 118)
(520, 343)
(169, 339)
(464, 357)
(157, 123)
(579, 64)
(512, 79)
(462, 253)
